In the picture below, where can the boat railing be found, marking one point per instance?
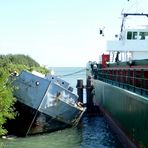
(135, 80)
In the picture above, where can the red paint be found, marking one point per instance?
(105, 59)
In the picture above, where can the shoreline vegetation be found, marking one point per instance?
(8, 64)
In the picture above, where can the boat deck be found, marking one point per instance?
(135, 80)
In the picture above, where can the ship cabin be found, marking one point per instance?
(126, 65)
(132, 45)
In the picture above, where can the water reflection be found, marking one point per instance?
(92, 132)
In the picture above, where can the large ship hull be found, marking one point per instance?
(121, 82)
(126, 111)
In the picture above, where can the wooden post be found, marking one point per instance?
(80, 87)
(89, 96)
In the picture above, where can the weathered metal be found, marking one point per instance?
(89, 96)
(43, 105)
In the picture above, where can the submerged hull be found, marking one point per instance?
(30, 121)
(126, 111)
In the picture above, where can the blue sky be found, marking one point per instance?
(59, 32)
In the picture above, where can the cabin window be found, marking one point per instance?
(129, 35)
(143, 35)
(132, 35)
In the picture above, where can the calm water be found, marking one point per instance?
(92, 132)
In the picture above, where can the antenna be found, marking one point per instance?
(101, 31)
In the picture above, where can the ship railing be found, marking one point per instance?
(135, 80)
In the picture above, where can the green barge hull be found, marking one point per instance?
(126, 111)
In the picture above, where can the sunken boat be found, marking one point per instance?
(44, 104)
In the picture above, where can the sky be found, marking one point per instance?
(60, 33)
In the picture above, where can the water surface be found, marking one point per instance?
(92, 132)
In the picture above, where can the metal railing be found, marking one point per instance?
(135, 80)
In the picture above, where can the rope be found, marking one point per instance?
(76, 72)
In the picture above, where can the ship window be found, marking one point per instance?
(143, 35)
(129, 35)
(134, 35)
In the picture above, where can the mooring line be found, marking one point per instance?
(76, 72)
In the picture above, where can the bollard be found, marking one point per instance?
(89, 95)
(80, 87)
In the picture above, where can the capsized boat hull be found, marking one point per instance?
(43, 105)
(30, 121)
(126, 111)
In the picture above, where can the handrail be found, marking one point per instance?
(136, 79)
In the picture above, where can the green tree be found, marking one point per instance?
(19, 62)
(6, 100)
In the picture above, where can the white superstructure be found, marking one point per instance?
(132, 43)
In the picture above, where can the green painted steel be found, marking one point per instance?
(127, 109)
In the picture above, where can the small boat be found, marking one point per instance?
(44, 104)
(120, 81)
